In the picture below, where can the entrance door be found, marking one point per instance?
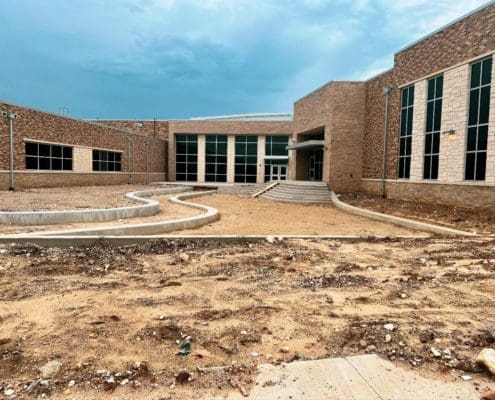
(315, 165)
(278, 172)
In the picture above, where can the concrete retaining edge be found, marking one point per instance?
(148, 208)
(151, 228)
(404, 222)
(86, 241)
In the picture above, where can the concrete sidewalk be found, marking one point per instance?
(366, 377)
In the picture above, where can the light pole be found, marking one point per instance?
(10, 116)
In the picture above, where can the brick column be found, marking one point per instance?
(418, 132)
(261, 159)
(490, 157)
(454, 117)
(230, 158)
(201, 157)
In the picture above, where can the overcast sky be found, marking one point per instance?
(184, 58)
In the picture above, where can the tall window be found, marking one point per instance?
(246, 159)
(216, 158)
(479, 108)
(49, 157)
(107, 160)
(433, 126)
(275, 153)
(405, 137)
(186, 158)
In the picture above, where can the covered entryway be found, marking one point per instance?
(309, 156)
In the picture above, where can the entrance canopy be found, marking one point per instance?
(307, 145)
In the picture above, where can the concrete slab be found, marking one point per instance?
(365, 377)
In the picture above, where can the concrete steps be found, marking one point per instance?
(301, 192)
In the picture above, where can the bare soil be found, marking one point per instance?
(116, 317)
(479, 221)
(255, 216)
(68, 198)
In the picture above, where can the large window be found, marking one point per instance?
(246, 159)
(433, 126)
(479, 108)
(107, 160)
(405, 137)
(216, 158)
(186, 158)
(50, 157)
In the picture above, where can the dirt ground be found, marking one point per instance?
(240, 215)
(182, 320)
(68, 198)
(479, 221)
(168, 211)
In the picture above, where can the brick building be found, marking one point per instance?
(424, 130)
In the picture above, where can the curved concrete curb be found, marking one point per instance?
(148, 208)
(406, 223)
(151, 228)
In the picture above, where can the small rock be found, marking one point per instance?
(436, 353)
(388, 338)
(50, 369)
(270, 239)
(284, 349)
(389, 327)
(329, 300)
(254, 354)
(124, 382)
(466, 377)
(71, 383)
(9, 392)
(371, 348)
(487, 358)
(363, 343)
(490, 395)
(184, 257)
(403, 296)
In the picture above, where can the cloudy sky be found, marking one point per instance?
(183, 58)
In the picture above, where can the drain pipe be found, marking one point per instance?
(386, 90)
(146, 154)
(11, 116)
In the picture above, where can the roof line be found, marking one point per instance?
(121, 130)
(462, 17)
(284, 114)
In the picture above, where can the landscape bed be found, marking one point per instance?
(186, 319)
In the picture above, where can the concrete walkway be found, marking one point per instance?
(366, 377)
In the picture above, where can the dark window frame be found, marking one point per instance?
(186, 152)
(213, 160)
(405, 132)
(434, 102)
(479, 96)
(275, 143)
(245, 161)
(106, 161)
(37, 158)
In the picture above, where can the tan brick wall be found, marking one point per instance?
(457, 195)
(454, 117)
(158, 128)
(46, 127)
(338, 108)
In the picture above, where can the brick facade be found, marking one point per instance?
(84, 136)
(155, 128)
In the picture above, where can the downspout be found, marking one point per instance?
(129, 159)
(386, 91)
